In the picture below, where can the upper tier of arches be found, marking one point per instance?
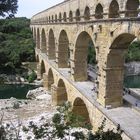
(100, 10)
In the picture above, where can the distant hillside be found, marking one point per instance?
(16, 43)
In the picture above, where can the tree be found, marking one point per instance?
(8, 8)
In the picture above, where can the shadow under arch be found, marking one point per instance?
(87, 13)
(50, 78)
(63, 50)
(115, 69)
(114, 9)
(51, 45)
(83, 44)
(38, 38)
(43, 42)
(61, 95)
(132, 8)
(99, 11)
(42, 69)
(79, 108)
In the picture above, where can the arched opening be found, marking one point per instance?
(77, 16)
(115, 69)
(49, 19)
(99, 11)
(60, 17)
(50, 79)
(65, 17)
(70, 16)
(42, 68)
(52, 18)
(61, 93)
(63, 50)
(80, 109)
(37, 59)
(34, 34)
(84, 57)
(51, 45)
(38, 39)
(87, 13)
(114, 9)
(132, 8)
(55, 18)
(43, 42)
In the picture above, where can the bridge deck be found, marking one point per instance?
(128, 118)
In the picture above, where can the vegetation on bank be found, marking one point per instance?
(16, 44)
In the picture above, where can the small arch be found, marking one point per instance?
(99, 11)
(43, 42)
(55, 17)
(63, 50)
(50, 79)
(65, 17)
(37, 59)
(132, 8)
(38, 38)
(87, 13)
(49, 19)
(51, 45)
(70, 16)
(79, 108)
(42, 68)
(61, 93)
(114, 9)
(77, 15)
(60, 17)
(34, 34)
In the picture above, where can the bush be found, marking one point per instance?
(32, 77)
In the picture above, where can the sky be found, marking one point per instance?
(28, 8)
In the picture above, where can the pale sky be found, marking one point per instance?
(28, 8)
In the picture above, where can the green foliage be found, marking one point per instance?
(133, 52)
(32, 77)
(16, 44)
(8, 7)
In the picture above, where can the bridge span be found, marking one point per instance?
(63, 33)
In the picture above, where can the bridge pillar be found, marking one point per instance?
(39, 70)
(45, 81)
(58, 95)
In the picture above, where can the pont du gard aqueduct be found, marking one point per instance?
(63, 34)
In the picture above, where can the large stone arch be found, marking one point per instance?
(50, 78)
(79, 108)
(59, 93)
(99, 11)
(80, 56)
(114, 9)
(63, 50)
(43, 41)
(132, 8)
(115, 69)
(51, 45)
(87, 13)
(38, 38)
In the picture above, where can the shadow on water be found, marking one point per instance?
(18, 91)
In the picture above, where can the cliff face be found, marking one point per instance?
(132, 68)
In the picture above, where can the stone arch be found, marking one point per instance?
(70, 16)
(51, 45)
(38, 38)
(114, 9)
(42, 70)
(87, 13)
(43, 41)
(34, 34)
(131, 8)
(49, 19)
(37, 58)
(61, 95)
(81, 55)
(115, 69)
(99, 11)
(55, 17)
(63, 50)
(65, 17)
(50, 78)
(79, 108)
(52, 18)
(77, 15)
(60, 17)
